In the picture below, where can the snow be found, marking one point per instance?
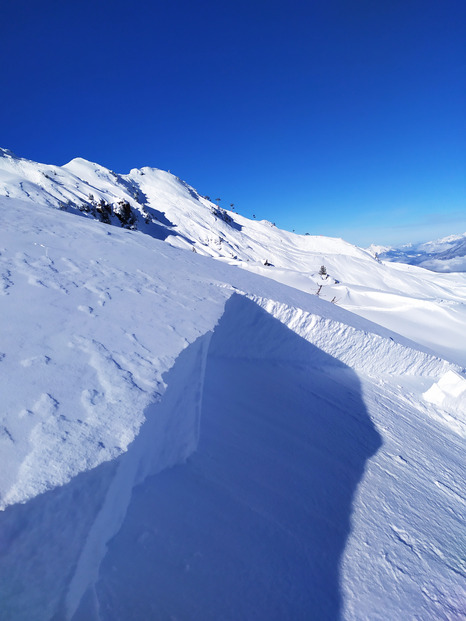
(240, 506)
(447, 254)
(455, 264)
(449, 393)
(166, 208)
(183, 437)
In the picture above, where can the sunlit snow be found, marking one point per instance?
(197, 435)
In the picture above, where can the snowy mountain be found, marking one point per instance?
(161, 205)
(443, 255)
(190, 438)
(166, 208)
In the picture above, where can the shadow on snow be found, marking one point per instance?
(253, 526)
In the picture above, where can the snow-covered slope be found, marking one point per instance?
(162, 206)
(166, 208)
(181, 438)
(447, 254)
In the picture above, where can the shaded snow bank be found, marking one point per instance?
(52, 546)
(137, 314)
(86, 338)
(169, 435)
(253, 526)
(115, 308)
(98, 501)
(254, 335)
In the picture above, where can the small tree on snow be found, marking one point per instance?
(323, 270)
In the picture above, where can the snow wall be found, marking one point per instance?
(78, 519)
(363, 351)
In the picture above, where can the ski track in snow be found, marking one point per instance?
(119, 354)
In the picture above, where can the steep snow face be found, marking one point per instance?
(93, 306)
(369, 353)
(108, 306)
(189, 439)
(240, 503)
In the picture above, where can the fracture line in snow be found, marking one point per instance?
(363, 351)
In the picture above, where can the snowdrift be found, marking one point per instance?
(118, 320)
(449, 393)
(170, 422)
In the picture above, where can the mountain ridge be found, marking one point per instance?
(159, 204)
(189, 435)
(447, 254)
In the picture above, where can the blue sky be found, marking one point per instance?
(338, 117)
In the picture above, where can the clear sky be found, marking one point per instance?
(334, 117)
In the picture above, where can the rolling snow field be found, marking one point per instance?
(190, 429)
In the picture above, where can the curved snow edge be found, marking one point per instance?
(366, 352)
(168, 437)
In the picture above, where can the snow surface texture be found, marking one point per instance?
(184, 439)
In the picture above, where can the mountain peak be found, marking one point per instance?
(8, 153)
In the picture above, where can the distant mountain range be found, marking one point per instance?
(447, 254)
